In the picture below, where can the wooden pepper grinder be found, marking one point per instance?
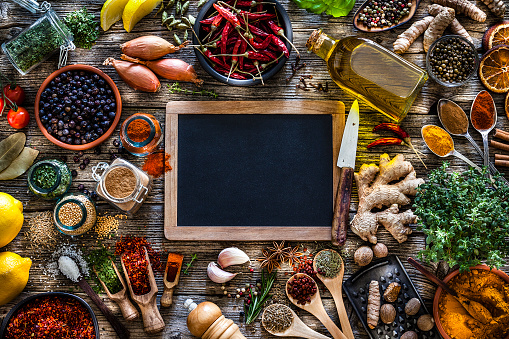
(207, 321)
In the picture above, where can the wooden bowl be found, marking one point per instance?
(103, 137)
(451, 275)
(364, 28)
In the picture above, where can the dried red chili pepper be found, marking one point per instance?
(257, 16)
(210, 20)
(243, 48)
(386, 141)
(224, 38)
(387, 126)
(280, 45)
(264, 44)
(232, 18)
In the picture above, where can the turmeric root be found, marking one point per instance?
(455, 26)
(373, 304)
(464, 7)
(380, 193)
(437, 27)
(406, 38)
(496, 6)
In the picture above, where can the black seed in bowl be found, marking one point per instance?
(452, 60)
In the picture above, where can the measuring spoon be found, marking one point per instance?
(315, 307)
(453, 152)
(485, 132)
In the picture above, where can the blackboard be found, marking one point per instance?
(252, 170)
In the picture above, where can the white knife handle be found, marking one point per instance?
(342, 207)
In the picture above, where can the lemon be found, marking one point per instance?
(135, 10)
(11, 218)
(112, 12)
(13, 275)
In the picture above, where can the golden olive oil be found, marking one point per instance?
(370, 72)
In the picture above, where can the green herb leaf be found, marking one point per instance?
(253, 309)
(83, 27)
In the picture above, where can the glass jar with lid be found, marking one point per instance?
(49, 179)
(122, 184)
(40, 40)
(140, 134)
(75, 214)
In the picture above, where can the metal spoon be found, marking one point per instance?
(485, 132)
(453, 152)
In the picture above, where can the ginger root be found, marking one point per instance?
(455, 26)
(496, 6)
(437, 27)
(407, 38)
(464, 7)
(373, 304)
(380, 193)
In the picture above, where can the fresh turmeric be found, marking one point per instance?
(455, 26)
(464, 7)
(496, 6)
(484, 287)
(437, 27)
(438, 140)
(407, 38)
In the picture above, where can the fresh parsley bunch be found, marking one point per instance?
(83, 27)
(465, 218)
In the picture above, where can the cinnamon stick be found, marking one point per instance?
(501, 157)
(499, 145)
(502, 163)
(501, 135)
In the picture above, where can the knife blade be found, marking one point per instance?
(346, 161)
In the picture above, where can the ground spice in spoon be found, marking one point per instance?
(483, 111)
(453, 118)
(438, 140)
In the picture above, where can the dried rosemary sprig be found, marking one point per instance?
(176, 88)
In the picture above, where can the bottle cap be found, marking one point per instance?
(315, 40)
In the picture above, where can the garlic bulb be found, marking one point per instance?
(217, 275)
(231, 256)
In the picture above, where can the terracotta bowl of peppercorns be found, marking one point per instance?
(78, 107)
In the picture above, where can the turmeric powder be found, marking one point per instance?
(484, 287)
(438, 140)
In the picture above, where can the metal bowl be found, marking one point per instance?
(23, 302)
(286, 25)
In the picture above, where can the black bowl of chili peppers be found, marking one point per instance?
(243, 42)
(51, 314)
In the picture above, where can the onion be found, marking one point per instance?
(149, 47)
(172, 69)
(137, 76)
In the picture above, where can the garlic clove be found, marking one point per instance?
(231, 256)
(217, 275)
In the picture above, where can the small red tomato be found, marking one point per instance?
(18, 118)
(2, 105)
(15, 93)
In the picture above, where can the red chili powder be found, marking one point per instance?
(138, 130)
(157, 164)
(483, 111)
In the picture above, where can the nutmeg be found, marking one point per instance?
(380, 250)
(363, 255)
(412, 306)
(425, 322)
(387, 313)
(391, 292)
(409, 335)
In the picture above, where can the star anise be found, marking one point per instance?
(292, 256)
(268, 260)
(278, 251)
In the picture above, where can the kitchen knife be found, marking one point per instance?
(346, 161)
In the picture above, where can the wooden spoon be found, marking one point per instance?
(315, 307)
(169, 286)
(152, 320)
(129, 312)
(475, 309)
(334, 285)
(296, 329)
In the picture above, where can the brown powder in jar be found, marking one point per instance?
(120, 182)
(453, 118)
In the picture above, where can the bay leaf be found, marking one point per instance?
(10, 148)
(20, 165)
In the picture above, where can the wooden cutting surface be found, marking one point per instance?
(149, 220)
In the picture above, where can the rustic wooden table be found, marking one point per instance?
(148, 221)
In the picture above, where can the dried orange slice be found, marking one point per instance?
(497, 34)
(494, 69)
(506, 105)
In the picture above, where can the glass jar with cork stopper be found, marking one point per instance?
(122, 184)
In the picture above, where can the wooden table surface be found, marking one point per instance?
(148, 221)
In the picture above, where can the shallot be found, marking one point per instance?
(137, 76)
(172, 69)
(149, 47)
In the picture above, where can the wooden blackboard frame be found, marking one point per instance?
(238, 233)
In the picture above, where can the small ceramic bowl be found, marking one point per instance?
(111, 128)
(439, 291)
(205, 63)
(23, 302)
(467, 44)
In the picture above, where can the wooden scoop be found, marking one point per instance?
(129, 312)
(152, 320)
(475, 309)
(315, 307)
(334, 285)
(296, 329)
(173, 259)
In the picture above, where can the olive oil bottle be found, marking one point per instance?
(370, 72)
